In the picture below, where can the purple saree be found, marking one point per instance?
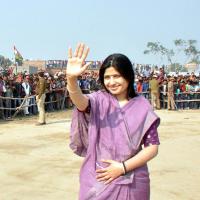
(111, 132)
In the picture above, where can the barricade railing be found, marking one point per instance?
(178, 97)
(181, 97)
(22, 105)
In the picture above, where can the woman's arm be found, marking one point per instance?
(75, 67)
(141, 158)
(116, 169)
(78, 98)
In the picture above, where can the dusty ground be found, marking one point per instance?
(37, 164)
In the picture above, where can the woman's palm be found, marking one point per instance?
(74, 66)
(76, 63)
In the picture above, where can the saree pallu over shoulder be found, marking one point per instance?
(81, 121)
(111, 132)
(79, 133)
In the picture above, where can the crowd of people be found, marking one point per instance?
(171, 92)
(14, 88)
(163, 91)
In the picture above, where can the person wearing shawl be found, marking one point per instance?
(114, 129)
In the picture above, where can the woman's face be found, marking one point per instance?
(115, 83)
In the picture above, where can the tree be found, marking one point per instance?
(5, 62)
(187, 48)
(159, 49)
(180, 43)
(191, 52)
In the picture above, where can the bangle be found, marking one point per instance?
(124, 167)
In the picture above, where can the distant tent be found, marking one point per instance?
(193, 67)
(18, 57)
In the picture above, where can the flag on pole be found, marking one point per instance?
(18, 56)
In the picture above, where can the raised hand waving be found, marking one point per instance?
(76, 63)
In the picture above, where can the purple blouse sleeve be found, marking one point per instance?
(151, 136)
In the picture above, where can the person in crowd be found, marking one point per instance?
(192, 94)
(183, 93)
(92, 81)
(49, 96)
(18, 92)
(59, 92)
(40, 98)
(145, 87)
(139, 86)
(170, 94)
(163, 93)
(116, 150)
(155, 92)
(98, 85)
(197, 90)
(27, 91)
(147, 71)
(85, 84)
(63, 91)
(2, 94)
(187, 90)
(9, 95)
(32, 104)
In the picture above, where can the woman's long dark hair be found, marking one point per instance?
(124, 66)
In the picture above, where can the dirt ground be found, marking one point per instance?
(37, 164)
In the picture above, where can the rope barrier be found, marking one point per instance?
(66, 95)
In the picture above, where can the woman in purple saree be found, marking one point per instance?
(115, 130)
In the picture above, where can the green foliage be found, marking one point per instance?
(5, 62)
(159, 49)
(179, 43)
(192, 52)
(188, 48)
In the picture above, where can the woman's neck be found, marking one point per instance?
(123, 103)
(122, 100)
(122, 97)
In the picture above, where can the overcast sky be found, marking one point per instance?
(43, 29)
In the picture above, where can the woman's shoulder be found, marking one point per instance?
(100, 94)
(100, 99)
(142, 101)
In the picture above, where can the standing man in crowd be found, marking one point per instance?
(27, 92)
(2, 91)
(40, 97)
(170, 94)
(155, 92)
